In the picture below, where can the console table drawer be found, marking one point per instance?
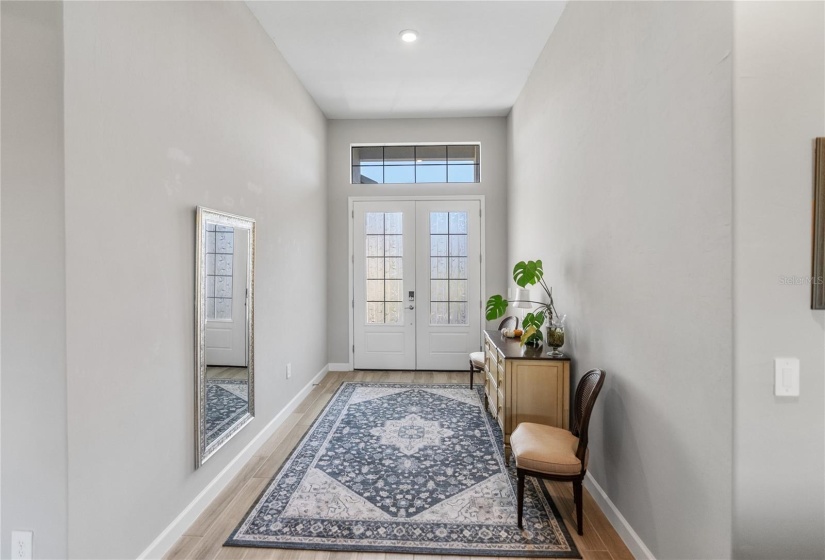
(523, 384)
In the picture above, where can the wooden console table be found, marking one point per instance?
(524, 384)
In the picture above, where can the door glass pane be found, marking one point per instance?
(394, 245)
(439, 290)
(438, 245)
(375, 312)
(392, 290)
(458, 267)
(458, 313)
(458, 290)
(438, 313)
(458, 222)
(438, 267)
(458, 245)
(439, 222)
(449, 285)
(393, 268)
(375, 268)
(385, 267)
(375, 290)
(375, 245)
(375, 222)
(392, 223)
(393, 313)
(220, 248)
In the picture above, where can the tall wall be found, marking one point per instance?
(33, 482)
(620, 162)
(779, 108)
(491, 132)
(170, 105)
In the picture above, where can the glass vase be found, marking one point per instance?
(555, 336)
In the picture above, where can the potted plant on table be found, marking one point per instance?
(525, 274)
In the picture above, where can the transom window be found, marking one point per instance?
(415, 164)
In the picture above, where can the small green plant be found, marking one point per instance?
(525, 274)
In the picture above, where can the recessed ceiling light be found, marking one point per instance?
(408, 35)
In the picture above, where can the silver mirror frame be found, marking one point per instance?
(204, 215)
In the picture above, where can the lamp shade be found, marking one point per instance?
(523, 295)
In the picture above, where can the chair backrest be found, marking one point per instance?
(508, 323)
(586, 393)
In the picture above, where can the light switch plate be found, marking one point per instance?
(786, 377)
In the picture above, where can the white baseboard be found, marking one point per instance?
(637, 547)
(340, 367)
(169, 536)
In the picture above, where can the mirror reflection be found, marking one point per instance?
(225, 373)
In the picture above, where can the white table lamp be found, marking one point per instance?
(522, 297)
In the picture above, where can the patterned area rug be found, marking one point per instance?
(391, 467)
(226, 402)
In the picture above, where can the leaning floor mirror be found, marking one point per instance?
(225, 399)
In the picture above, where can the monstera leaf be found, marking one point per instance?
(530, 335)
(533, 320)
(532, 327)
(529, 272)
(496, 307)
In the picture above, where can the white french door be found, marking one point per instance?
(226, 301)
(384, 275)
(417, 284)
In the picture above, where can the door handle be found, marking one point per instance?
(411, 307)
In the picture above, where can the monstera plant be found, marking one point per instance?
(525, 274)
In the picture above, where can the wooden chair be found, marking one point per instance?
(554, 453)
(477, 358)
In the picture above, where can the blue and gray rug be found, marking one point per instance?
(403, 468)
(226, 403)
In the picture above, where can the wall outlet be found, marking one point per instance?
(288, 370)
(21, 545)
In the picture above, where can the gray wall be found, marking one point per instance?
(167, 106)
(779, 108)
(621, 156)
(33, 485)
(491, 132)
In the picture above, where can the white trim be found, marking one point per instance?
(637, 547)
(169, 536)
(343, 366)
(351, 271)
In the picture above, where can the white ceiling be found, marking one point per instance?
(472, 58)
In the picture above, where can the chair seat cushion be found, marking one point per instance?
(478, 359)
(545, 449)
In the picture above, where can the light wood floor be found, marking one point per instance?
(226, 372)
(204, 539)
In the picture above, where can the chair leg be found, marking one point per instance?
(472, 373)
(577, 497)
(520, 496)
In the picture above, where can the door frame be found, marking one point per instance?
(412, 198)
